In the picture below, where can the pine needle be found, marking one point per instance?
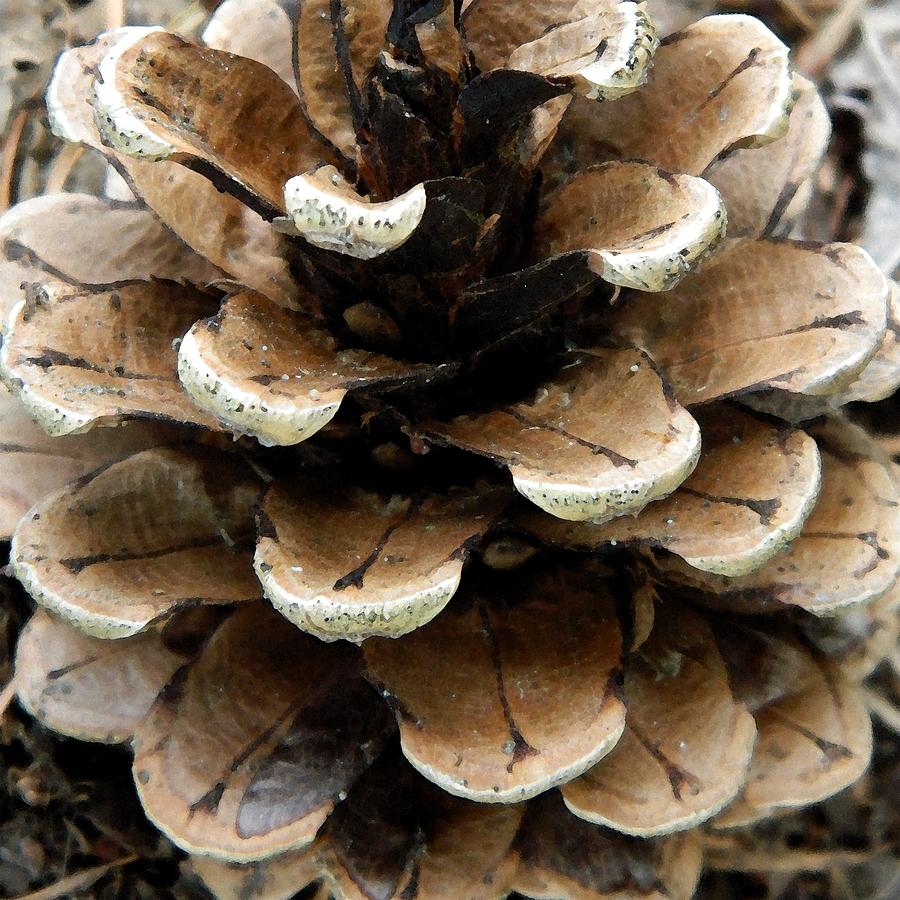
(68, 886)
(61, 167)
(883, 708)
(6, 696)
(815, 55)
(115, 14)
(10, 150)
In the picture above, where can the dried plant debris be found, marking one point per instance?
(70, 813)
(34, 33)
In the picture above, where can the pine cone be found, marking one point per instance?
(405, 253)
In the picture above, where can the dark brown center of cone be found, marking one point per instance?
(456, 287)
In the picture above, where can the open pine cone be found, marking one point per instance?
(403, 251)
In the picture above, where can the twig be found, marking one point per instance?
(80, 881)
(10, 149)
(6, 696)
(883, 708)
(188, 20)
(886, 68)
(795, 9)
(793, 861)
(895, 657)
(61, 167)
(115, 14)
(814, 55)
(723, 853)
